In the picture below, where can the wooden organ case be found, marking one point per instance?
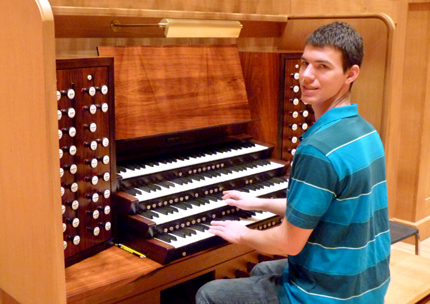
(86, 127)
(161, 115)
(113, 275)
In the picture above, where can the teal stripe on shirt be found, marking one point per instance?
(312, 158)
(346, 130)
(326, 233)
(351, 286)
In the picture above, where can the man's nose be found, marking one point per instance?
(306, 72)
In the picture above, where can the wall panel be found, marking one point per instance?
(31, 250)
(226, 6)
(415, 75)
(330, 7)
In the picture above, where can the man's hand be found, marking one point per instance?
(246, 201)
(231, 231)
(242, 200)
(284, 239)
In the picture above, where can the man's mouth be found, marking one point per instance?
(308, 88)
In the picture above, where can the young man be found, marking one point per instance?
(335, 229)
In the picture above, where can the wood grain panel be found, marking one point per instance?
(31, 253)
(413, 114)
(115, 275)
(330, 7)
(424, 170)
(174, 88)
(5, 298)
(236, 6)
(261, 72)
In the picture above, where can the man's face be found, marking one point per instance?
(322, 79)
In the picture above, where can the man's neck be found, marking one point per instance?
(342, 101)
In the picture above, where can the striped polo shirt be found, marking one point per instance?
(338, 188)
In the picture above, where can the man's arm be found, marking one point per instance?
(285, 239)
(246, 201)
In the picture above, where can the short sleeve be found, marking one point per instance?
(312, 187)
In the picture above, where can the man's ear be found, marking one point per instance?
(353, 73)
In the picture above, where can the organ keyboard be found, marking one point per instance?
(192, 185)
(167, 247)
(137, 169)
(167, 218)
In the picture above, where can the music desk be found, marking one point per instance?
(115, 275)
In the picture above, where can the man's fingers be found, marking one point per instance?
(218, 223)
(233, 194)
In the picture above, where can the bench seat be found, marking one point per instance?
(410, 278)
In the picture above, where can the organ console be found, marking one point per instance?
(166, 200)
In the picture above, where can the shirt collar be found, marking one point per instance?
(331, 116)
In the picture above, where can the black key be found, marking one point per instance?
(245, 214)
(179, 233)
(198, 202)
(120, 169)
(214, 197)
(184, 232)
(145, 188)
(200, 227)
(154, 187)
(167, 210)
(181, 181)
(166, 184)
(129, 166)
(148, 214)
(133, 191)
(168, 238)
(138, 166)
(183, 206)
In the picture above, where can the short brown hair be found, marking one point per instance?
(343, 37)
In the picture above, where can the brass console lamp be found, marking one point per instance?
(190, 28)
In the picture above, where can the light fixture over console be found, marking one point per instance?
(191, 28)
